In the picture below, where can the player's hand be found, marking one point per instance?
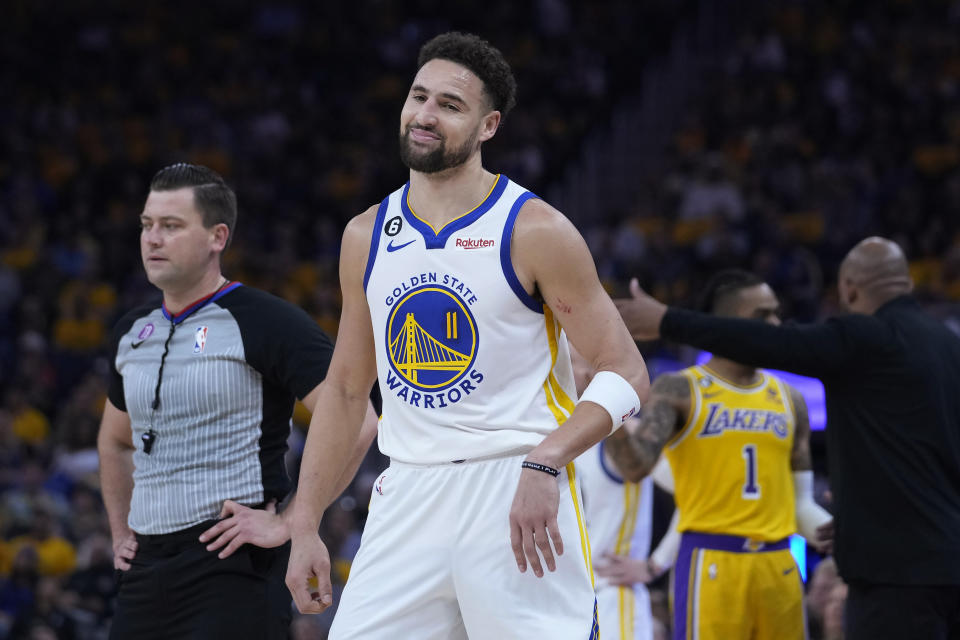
(533, 521)
(240, 525)
(124, 549)
(308, 574)
(641, 313)
(824, 541)
(624, 570)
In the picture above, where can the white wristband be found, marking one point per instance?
(810, 515)
(617, 396)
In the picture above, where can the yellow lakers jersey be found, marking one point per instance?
(731, 460)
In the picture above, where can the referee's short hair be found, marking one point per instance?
(216, 202)
(722, 286)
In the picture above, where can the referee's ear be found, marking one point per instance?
(220, 237)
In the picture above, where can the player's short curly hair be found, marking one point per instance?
(722, 285)
(480, 57)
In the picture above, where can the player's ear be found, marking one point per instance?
(489, 126)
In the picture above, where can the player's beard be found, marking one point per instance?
(437, 160)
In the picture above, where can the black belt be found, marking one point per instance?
(173, 542)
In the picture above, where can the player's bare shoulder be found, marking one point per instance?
(546, 244)
(673, 389)
(355, 245)
(538, 221)
(362, 225)
(799, 407)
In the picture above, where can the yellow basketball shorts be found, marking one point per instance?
(733, 588)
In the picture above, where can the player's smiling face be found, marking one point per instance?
(445, 117)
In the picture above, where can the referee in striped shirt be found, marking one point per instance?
(195, 426)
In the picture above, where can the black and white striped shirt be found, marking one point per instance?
(235, 362)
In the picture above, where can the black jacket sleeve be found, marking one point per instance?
(817, 350)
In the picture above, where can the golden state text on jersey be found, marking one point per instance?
(469, 364)
(431, 341)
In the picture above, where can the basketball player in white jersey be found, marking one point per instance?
(459, 292)
(619, 516)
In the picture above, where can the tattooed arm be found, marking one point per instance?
(800, 454)
(666, 412)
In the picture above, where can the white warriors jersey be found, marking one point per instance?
(619, 514)
(470, 365)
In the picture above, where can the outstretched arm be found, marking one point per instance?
(665, 414)
(814, 350)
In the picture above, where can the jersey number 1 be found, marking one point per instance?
(751, 490)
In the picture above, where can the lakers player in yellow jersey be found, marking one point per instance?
(737, 440)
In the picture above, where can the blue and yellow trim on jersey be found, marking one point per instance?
(562, 407)
(626, 605)
(375, 240)
(626, 598)
(506, 263)
(559, 402)
(437, 239)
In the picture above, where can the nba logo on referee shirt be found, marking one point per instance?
(200, 341)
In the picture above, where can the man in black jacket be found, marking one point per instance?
(892, 380)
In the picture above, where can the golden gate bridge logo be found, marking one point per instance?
(431, 338)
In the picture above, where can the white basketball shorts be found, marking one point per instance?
(435, 561)
(624, 612)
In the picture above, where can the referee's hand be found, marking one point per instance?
(240, 525)
(124, 549)
(308, 573)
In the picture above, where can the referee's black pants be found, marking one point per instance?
(177, 590)
(894, 612)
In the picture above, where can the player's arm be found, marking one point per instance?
(115, 448)
(551, 258)
(815, 350)
(813, 521)
(335, 427)
(635, 454)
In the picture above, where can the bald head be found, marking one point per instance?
(874, 272)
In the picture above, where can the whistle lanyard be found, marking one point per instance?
(150, 437)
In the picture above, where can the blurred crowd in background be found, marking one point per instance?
(825, 122)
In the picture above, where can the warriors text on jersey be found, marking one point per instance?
(470, 365)
(731, 461)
